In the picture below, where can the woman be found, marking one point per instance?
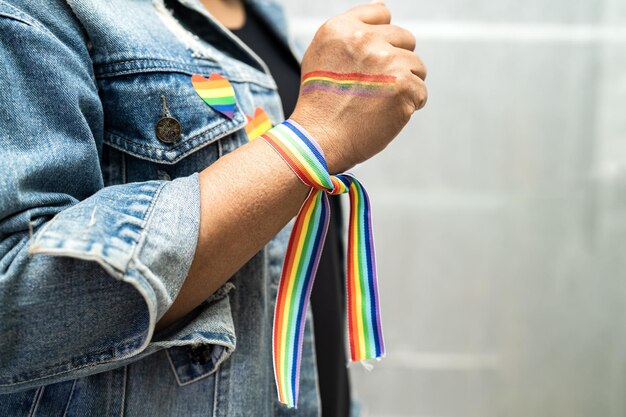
(141, 232)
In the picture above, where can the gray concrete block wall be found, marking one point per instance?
(500, 213)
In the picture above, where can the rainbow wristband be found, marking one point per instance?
(306, 159)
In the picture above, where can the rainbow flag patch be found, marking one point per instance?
(259, 124)
(217, 92)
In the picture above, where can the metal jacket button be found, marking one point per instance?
(167, 128)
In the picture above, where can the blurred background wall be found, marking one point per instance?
(500, 213)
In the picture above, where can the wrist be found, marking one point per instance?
(326, 137)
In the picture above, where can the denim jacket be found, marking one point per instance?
(99, 217)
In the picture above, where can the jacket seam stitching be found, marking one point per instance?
(101, 71)
(169, 359)
(173, 148)
(22, 17)
(236, 80)
(144, 225)
(192, 149)
(16, 19)
(36, 400)
(123, 402)
(124, 168)
(216, 384)
(69, 400)
(130, 343)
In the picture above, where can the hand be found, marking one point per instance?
(351, 117)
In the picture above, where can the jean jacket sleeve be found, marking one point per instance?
(85, 270)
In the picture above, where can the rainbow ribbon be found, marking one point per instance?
(306, 159)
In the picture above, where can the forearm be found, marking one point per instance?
(247, 197)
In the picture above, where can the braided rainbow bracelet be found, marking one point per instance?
(306, 159)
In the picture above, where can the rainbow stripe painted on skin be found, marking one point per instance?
(354, 84)
(304, 250)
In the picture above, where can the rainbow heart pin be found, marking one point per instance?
(217, 92)
(259, 124)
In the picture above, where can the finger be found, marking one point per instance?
(413, 62)
(373, 13)
(397, 36)
(418, 92)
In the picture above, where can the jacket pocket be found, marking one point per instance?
(135, 99)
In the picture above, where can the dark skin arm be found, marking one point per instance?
(249, 195)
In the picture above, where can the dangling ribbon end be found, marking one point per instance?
(306, 159)
(367, 366)
(287, 403)
(370, 363)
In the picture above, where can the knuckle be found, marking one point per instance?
(409, 37)
(406, 111)
(422, 68)
(410, 109)
(422, 96)
(385, 12)
(419, 66)
(379, 56)
(360, 37)
(413, 90)
(383, 55)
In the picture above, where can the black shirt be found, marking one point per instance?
(327, 297)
